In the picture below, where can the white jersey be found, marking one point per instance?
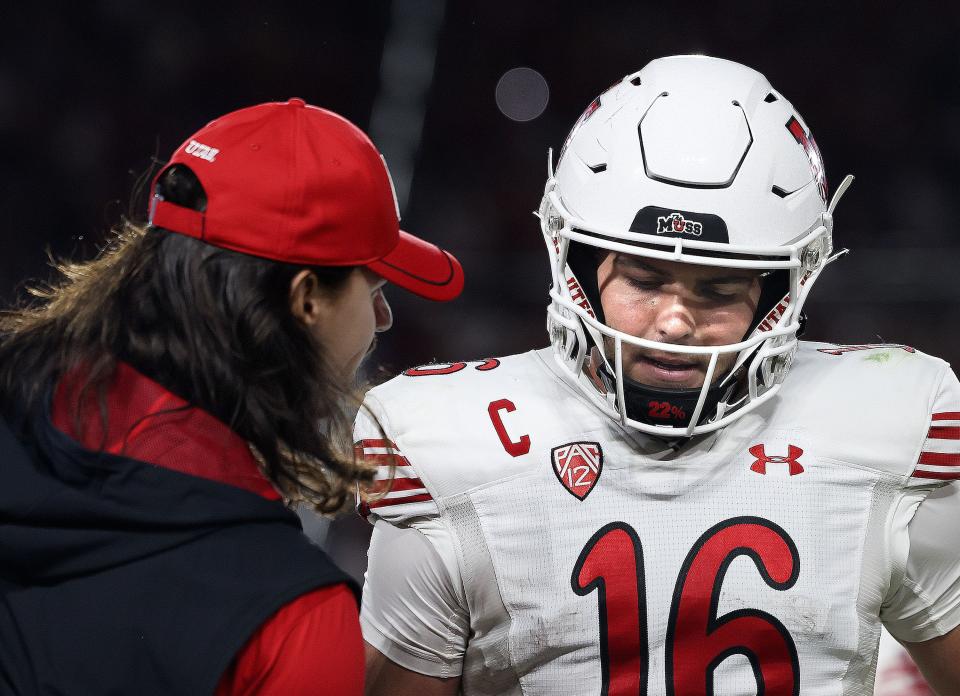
(534, 546)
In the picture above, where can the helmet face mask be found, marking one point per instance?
(744, 191)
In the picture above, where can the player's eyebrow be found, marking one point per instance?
(628, 261)
(722, 280)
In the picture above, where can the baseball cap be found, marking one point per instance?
(296, 183)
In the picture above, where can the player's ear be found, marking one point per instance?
(306, 304)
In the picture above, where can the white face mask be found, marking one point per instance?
(759, 362)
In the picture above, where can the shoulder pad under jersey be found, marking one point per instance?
(873, 405)
(454, 427)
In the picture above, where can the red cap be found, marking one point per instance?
(295, 183)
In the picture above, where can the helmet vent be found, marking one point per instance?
(770, 98)
(635, 81)
(682, 145)
(597, 168)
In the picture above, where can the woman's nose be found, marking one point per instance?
(382, 312)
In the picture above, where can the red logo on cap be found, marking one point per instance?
(204, 152)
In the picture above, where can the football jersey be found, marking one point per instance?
(584, 558)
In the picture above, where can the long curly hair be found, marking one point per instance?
(211, 325)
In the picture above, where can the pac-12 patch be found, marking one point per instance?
(578, 466)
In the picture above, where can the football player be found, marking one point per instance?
(678, 496)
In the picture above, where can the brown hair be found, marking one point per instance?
(211, 325)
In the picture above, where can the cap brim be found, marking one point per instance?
(422, 268)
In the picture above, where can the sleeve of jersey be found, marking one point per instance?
(398, 493)
(413, 609)
(926, 604)
(940, 454)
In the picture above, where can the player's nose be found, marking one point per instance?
(675, 321)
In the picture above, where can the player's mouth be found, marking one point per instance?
(668, 370)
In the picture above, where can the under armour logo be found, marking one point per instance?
(760, 465)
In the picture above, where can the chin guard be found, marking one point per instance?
(662, 406)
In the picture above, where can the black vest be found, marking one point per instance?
(121, 577)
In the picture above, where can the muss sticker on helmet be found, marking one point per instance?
(666, 222)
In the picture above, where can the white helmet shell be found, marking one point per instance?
(698, 134)
(698, 160)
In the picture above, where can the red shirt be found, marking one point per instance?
(311, 645)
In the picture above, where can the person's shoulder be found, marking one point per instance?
(893, 374)
(463, 378)
(872, 405)
(441, 430)
(453, 394)
(866, 355)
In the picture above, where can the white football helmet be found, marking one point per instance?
(696, 160)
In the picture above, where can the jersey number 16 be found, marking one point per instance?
(697, 639)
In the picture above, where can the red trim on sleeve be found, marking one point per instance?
(384, 459)
(939, 459)
(387, 502)
(312, 646)
(398, 484)
(363, 444)
(944, 432)
(939, 475)
(948, 415)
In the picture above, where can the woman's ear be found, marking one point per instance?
(305, 300)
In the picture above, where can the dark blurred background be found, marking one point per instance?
(464, 98)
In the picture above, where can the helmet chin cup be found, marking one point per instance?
(658, 406)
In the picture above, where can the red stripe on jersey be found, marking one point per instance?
(375, 443)
(945, 432)
(384, 459)
(943, 475)
(949, 415)
(398, 484)
(421, 498)
(939, 459)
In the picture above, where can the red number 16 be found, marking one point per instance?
(697, 639)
